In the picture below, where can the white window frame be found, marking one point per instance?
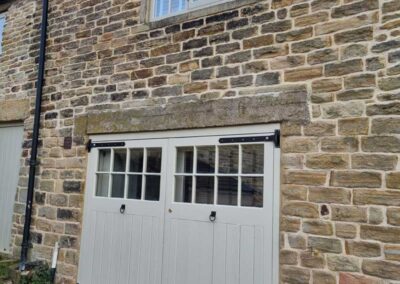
(191, 6)
(2, 17)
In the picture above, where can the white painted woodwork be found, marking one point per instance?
(11, 138)
(168, 242)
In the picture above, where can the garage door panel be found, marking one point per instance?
(10, 154)
(187, 210)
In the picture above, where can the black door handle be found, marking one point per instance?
(213, 216)
(122, 209)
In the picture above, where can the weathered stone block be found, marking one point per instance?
(305, 177)
(323, 277)
(311, 260)
(353, 126)
(329, 245)
(303, 74)
(343, 263)
(295, 275)
(379, 233)
(326, 85)
(382, 269)
(301, 209)
(378, 197)
(329, 195)
(345, 230)
(363, 249)
(327, 161)
(357, 35)
(343, 68)
(355, 8)
(373, 161)
(393, 216)
(349, 213)
(387, 144)
(356, 179)
(393, 180)
(317, 227)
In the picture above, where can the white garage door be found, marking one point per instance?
(197, 208)
(10, 154)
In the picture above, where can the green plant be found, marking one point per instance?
(40, 274)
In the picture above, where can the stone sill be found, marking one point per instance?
(151, 25)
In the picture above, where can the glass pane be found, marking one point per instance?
(136, 161)
(178, 5)
(227, 190)
(253, 159)
(135, 187)
(206, 159)
(117, 186)
(104, 160)
(161, 7)
(119, 160)
(152, 188)
(205, 190)
(252, 191)
(102, 185)
(154, 160)
(183, 189)
(228, 159)
(184, 160)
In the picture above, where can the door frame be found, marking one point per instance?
(212, 131)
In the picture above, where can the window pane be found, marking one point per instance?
(117, 186)
(119, 160)
(178, 5)
(102, 185)
(252, 191)
(227, 190)
(154, 160)
(104, 160)
(205, 190)
(2, 24)
(206, 159)
(184, 160)
(135, 187)
(183, 189)
(161, 8)
(152, 188)
(253, 159)
(228, 159)
(136, 161)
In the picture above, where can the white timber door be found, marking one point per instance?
(11, 138)
(124, 214)
(214, 219)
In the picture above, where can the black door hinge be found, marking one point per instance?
(91, 144)
(275, 138)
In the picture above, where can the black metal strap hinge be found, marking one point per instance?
(275, 138)
(91, 144)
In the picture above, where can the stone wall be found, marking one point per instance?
(340, 217)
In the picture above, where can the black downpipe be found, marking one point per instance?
(35, 138)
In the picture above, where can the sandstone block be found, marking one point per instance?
(382, 269)
(345, 230)
(380, 233)
(327, 161)
(349, 213)
(377, 197)
(353, 126)
(363, 249)
(343, 263)
(356, 179)
(329, 195)
(329, 245)
(301, 209)
(318, 227)
(373, 161)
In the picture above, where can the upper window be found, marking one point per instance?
(165, 8)
(2, 23)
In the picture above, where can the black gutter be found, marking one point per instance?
(35, 137)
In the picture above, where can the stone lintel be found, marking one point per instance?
(14, 110)
(257, 109)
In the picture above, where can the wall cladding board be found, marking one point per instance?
(328, 69)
